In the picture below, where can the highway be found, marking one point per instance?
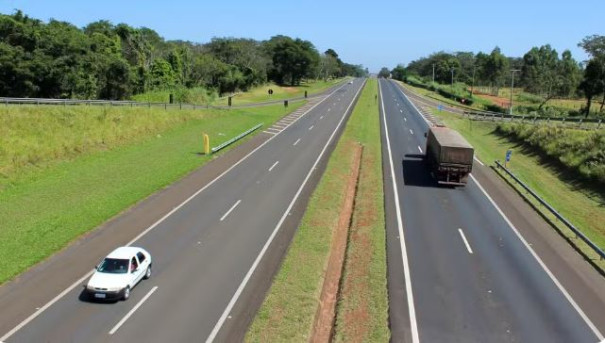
(214, 253)
(459, 270)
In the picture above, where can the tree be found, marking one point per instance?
(593, 84)
(384, 72)
(399, 72)
(595, 46)
(496, 69)
(541, 72)
(293, 59)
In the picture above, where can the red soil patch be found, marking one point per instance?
(323, 327)
(502, 102)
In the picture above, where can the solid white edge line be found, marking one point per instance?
(46, 306)
(468, 246)
(298, 140)
(244, 282)
(72, 286)
(420, 149)
(404, 254)
(230, 210)
(273, 166)
(478, 161)
(587, 320)
(136, 307)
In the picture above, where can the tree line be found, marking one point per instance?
(541, 71)
(107, 61)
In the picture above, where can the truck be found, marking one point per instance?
(449, 156)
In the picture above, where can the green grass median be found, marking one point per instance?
(289, 309)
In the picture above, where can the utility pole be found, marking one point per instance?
(473, 83)
(452, 80)
(512, 87)
(433, 72)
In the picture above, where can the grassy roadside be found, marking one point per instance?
(260, 94)
(51, 206)
(288, 312)
(582, 206)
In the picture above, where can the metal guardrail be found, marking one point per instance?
(575, 230)
(532, 119)
(235, 139)
(73, 102)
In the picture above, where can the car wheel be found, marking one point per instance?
(126, 293)
(148, 272)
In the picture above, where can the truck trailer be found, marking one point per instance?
(449, 156)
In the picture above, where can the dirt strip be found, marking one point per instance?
(323, 327)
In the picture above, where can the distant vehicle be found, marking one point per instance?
(118, 273)
(449, 156)
(350, 82)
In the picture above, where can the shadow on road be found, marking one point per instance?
(416, 172)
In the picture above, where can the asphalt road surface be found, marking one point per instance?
(458, 270)
(210, 252)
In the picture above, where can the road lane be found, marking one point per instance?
(199, 259)
(499, 292)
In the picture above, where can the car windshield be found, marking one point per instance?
(114, 266)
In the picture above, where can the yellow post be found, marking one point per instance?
(206, 144)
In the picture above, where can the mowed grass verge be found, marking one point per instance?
(49, 206)
(260, 94)
(580, 205)
(289, 309)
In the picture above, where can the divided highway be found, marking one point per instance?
(211, 252)
(458, 269)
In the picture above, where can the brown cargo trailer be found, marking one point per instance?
(449, 156)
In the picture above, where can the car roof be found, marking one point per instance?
(124, 252)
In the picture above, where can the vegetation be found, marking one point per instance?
(542, 73)
(87, 167)
(581, 152)
(107, 61)
(288, 311)
(260, 93)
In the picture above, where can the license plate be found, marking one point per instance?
(100, 295)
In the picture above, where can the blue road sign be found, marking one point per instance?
(508, 154)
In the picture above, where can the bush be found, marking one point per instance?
(577, 150)
(495, 108)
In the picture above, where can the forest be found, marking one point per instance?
(106, 61)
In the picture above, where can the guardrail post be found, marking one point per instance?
(165, 106)
(580, 123)
(180, 105)
(535, 118)
(599, 125)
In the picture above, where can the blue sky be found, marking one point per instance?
(374, 33)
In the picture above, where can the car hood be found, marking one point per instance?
(109, 280)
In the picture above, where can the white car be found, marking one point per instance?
(118, 273)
